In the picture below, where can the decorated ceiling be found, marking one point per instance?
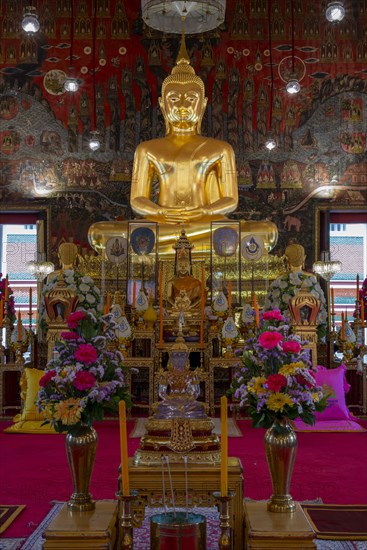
(245, 63)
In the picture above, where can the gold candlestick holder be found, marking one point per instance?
(19, 359)
(333, 333)
(126, 537)
(7, 325)
(2, 349)
(225, 539)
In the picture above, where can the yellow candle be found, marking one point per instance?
(223, 447)
(19, 327)
(257, 312)
(108, 302)
(202, 308)
(229, 294)
(332, 300)
(343, 327)
(160, 288)
(123, 448)
(134, 295)
(357, 284)
(6, 293)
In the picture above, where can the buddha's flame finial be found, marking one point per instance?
(183, 56)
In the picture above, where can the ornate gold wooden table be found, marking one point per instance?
(203, 479)
(270, 530)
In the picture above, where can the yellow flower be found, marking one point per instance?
(290, 368)
(277, 401)
(257, 385)
(68, 411)
(315, 397)
(48, 411)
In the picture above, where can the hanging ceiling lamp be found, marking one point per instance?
(167, 16)
(94, 141)
(270, 142)
(326, 267)
(293, 86)
(40, 267)
(71, 83)
(335, 11)
(30, 21)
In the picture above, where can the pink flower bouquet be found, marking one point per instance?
(84, 378)
(276, 379)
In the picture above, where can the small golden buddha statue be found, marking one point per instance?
(196, 174)
(289, 284)
(184, 290)
(68, 255)
(295, 257)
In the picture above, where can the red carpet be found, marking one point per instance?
(34, 469)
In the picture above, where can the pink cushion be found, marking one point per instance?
(329, 426)
(335, 381)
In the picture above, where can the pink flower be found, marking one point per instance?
(273, 315)
(74, 318)
(269, 340)
(291, 346)
(46, 378)
(86, 353)
(276, 382)
(69, 335)
(84, 380)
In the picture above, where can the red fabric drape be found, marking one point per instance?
(22, 218)
(348, 217)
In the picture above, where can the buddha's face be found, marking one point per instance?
(183, 105)
(183, 267)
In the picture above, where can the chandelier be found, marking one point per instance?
(270, 142)
(30, 21)
(335, 11)
(40, 268)
(71, 83)
(293, 86)
(326, 267)
(94, 139)
(198, 16)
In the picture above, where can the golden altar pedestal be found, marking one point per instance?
(92, 530)
(269, 530)
(202, 482)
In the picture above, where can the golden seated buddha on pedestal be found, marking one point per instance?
(196, 174)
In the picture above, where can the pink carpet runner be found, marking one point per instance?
(34, 469)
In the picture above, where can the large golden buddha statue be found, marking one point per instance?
(196, 175)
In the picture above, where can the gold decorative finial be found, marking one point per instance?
(183, 56)
(183, 72)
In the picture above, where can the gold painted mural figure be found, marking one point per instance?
(196, 174)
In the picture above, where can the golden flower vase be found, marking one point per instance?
(81, 450)
(281, 448)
